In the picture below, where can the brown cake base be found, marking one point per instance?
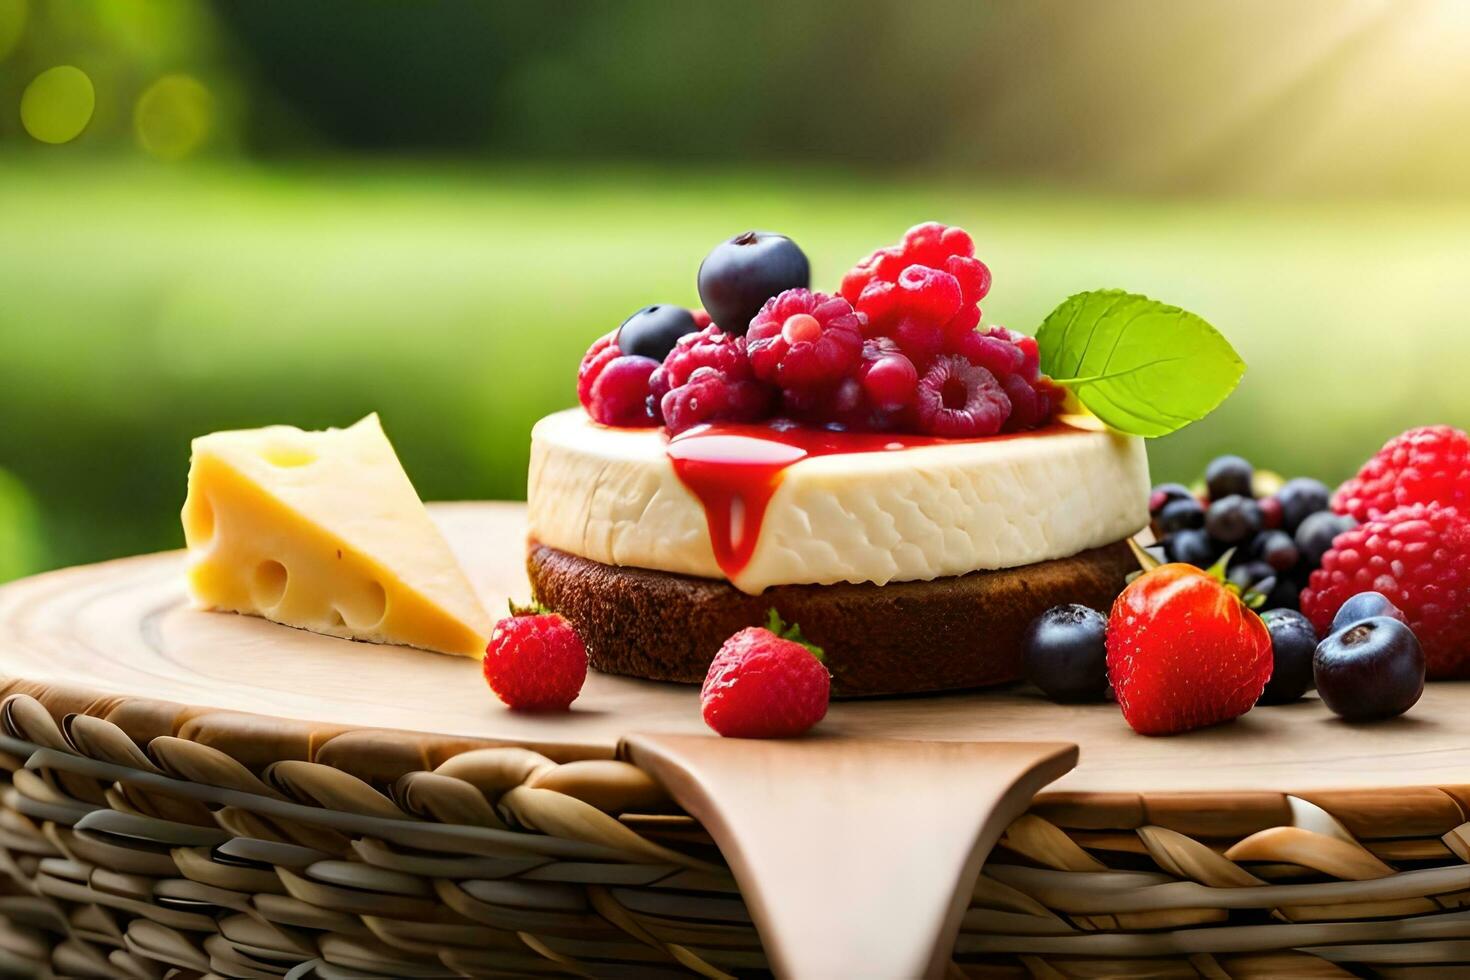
(901, 638)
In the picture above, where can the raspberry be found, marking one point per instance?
(701, 319)
(1418, 556)
(602, 352)
(995, 353)
(535, 662)
(613, 386)
(931, 244)
(917, 311)
(620, 393)
(765, 685)
(923, 292)
(801, 339)
(929, 293)
(889, 378)
(1420, 466)
(710, 396)
(959, 400)
(707, 378)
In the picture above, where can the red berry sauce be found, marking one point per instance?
(733, 470)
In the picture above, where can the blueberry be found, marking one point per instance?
(1365, 605)
(1228, 476)
(1372, 669)
(1180, 514)
(1301, 498)
(1286, 593)
(1247, 574)
(1277, 549)
(738, 276)
(1066, 654)
(1293, 642)
(1314, 535)
(1233, 519)
(1192, 547)
(1166, 493)
(653, 330)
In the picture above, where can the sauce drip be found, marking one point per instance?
(733, 470)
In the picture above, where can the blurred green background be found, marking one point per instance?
(238, 213)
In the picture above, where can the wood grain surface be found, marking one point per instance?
(125, 629)
(856, 856)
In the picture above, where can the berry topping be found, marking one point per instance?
(707, 378)
(1066, 654)
(1373, 669)
(1421, 466)
(1418, 557)
(535, 661)
(956, 400)
(765, 683)
(1365, 605)
(613, 386)
(739, 275)
(805, 340)
(1184, 651)
(653, 330)
(1293, 641)
(1229, 476)
(901, 349)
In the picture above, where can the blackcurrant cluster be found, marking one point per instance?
(1278, 530)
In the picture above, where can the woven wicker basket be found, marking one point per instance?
(145, 856)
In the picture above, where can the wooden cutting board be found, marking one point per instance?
(125, 629)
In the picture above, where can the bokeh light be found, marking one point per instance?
(173, 117)
(58, 104)
(12, 24)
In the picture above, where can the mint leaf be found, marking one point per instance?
(1141, 366)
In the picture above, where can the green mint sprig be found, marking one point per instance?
(1141, 366)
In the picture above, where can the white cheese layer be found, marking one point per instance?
(611, 495)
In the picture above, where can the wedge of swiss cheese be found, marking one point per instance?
(323, 531)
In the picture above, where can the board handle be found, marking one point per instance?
(855, 857)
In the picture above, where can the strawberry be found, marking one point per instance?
(765, 683)
(1185, 651)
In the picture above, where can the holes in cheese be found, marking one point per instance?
(363, 608)
(324, 531)
(268, 586)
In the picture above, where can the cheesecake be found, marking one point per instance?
(907, 484)
(915, 562)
